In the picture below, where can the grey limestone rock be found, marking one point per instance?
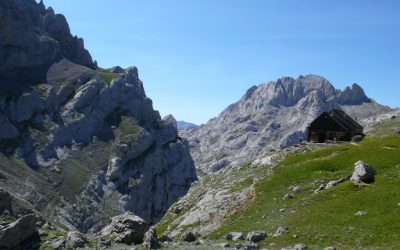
(144, 153)
(188, 237)
(12, 235)
(75, 240)
(280, 231)
(150, 240)
(235, 236)
(32, 39)
(117, 69)
(271, 116)
(58, 243)
(126, 228)
(256, 236)
(246, 246)
(363, 172)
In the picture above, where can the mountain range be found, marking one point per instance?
(86, 161)
(271, 116)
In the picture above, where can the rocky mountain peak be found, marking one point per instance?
(353, 95)
(32, 38)
(269, 116)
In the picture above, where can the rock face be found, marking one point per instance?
(32, 38)
(85, 143)
(12, 235)
(150, 240)
(75, 240)
(188, 236)
(270, 116)
(133, 160)
(363, 173)
(126, 228)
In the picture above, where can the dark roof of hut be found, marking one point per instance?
(342, 120)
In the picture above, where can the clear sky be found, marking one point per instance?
(196, 57)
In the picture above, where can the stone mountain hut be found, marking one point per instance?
(333, 125)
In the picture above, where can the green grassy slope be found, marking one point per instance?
(328, 218)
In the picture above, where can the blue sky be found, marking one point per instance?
(196, 57)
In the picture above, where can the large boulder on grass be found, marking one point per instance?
(363, 173)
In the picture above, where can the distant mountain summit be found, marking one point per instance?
(272, 115)
(186, 125)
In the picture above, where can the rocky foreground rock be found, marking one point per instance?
(270, 116)
(14, 234)
(363, 173)
(126, 228)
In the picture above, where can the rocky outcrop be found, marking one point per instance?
(270, 116)
(150, 240)
(363, 173)
(33, 38)
(126, 228)
(75, 240)
(141, 166)
(188, 236)
(18, 232)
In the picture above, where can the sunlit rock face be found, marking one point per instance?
(269, 116)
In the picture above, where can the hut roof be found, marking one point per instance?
(342, 120)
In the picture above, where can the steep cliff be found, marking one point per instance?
(80, 144)
(32, 38)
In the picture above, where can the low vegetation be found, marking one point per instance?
(128, 129)
(106, 75)
(328, 217)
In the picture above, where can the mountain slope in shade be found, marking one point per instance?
(269, 116)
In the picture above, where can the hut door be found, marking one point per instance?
(321, 137)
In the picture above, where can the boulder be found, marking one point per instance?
(294, 188)
(331, 184)
(58, 243)
(280, 231)
(126, 228)
(256, 236)
(288, 196)
(298, 246)
(330, 248)
(188, 237)
(235, 236)
(320, 188)
(165, 238)
(150, 240)
(363, 173)
(246, 246)
(75, 240)
(361, 213)
(12, 235)
(117, 69)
